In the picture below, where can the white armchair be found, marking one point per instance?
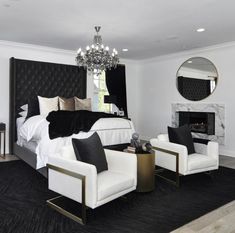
(175, 157)
(80, 182)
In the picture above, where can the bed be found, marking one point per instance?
(32, 78)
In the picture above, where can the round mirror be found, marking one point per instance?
(196, 78)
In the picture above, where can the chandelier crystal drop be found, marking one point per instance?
(97, 57)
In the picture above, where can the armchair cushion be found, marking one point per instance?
(183, 136)
(90, 150)
(67, 152)
(110, 183)
(199, 161)
(122, 162)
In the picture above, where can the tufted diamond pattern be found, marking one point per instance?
(32, 78)
(193, 89)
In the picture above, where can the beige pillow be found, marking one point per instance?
(66, 104)
(82, 104)
(47, 105)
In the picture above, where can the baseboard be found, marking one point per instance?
(227, 153)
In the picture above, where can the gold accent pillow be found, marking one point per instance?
(82, 104)
(66, 104)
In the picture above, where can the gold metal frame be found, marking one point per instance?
(82, 219)
(4, 143)
(176, 181)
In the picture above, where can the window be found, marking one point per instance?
(100, 90)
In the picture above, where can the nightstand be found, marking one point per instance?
(145, 171)
(2, 133)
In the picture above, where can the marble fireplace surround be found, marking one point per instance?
(218, 109)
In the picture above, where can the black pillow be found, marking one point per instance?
(33, 107)
(183, 136)
(90, 150)
(76, 151)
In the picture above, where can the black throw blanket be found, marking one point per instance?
(66, 123)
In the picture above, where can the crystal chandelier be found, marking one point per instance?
(97, 58)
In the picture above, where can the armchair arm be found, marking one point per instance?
(166, 155)
(122, 162)
(213, 150)
(68, 184)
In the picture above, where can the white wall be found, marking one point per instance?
(133, 90)
(158, 91)
(38, 53)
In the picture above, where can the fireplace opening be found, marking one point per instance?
(199, 122)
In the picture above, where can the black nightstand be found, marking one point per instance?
(2, 131)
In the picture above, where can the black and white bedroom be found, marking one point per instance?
(117, 117)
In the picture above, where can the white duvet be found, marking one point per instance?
(111, 131)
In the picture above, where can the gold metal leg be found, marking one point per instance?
(81, 220)
(175, 182)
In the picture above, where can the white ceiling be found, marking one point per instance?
(148, 28)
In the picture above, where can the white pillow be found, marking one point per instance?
(67, 152)
(24, 107)
(47, 105)
(23, 113)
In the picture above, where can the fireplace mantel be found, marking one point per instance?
(218, 109)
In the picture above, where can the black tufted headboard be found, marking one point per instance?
(29, 79)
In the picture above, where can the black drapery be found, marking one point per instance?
(193, 89)
(116, 85)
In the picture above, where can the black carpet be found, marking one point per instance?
(23, 209)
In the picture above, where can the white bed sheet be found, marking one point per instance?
(31, 145)
(19, 122)
(111, 131)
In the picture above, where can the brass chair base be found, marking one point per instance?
(174, 182)
(81, 220)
